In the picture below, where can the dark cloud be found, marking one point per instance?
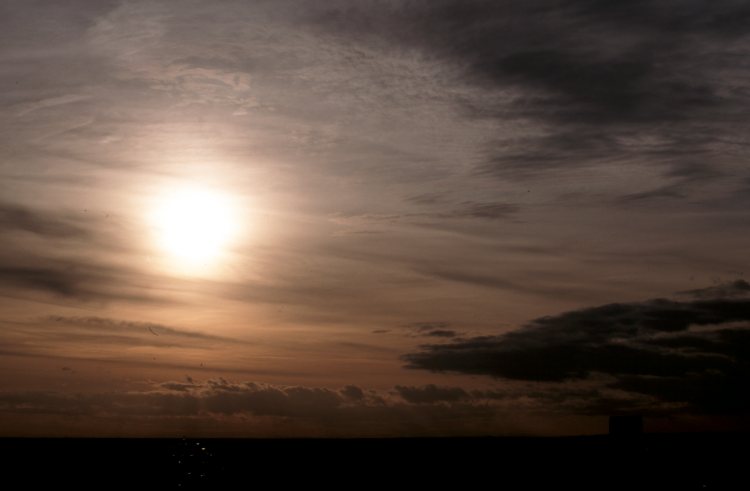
(73, 283)
(530, 155)
(177, 386)
(71, 338)
(353, 392)
(433, 329)
(107, 325)
(45, 224)
(279, 410)
(604, 62)
(482, 279)
(693, 171)
(428, 326)
(59, 254)
(217, 396)
(684, 176)
(668, 192)
(719, 19)
(77, 280)
(700, 348)
(596, 75)
(250, 408)
(606, 87)
(441, 333)
(488, 211)
(472, 278)
(427, 198)
(223, 397)
(735, 288)
(430, 394)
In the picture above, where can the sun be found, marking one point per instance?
(193, 225)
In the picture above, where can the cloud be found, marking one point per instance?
(45, 224)
(433, 329)
(682, 179)
(487, 211)
(737, 288)
(428, 326)
(695, 353)
(471, 276)
(74, 280)
(144, 329)
(353, 392)
(216, 396)
(218, 406)
(72, 339)
(61, 254)
(252, 409)
(669, 192)
(430, 198)
(412, 120)
(430, 394)
(441, 333)
(176, 386)
(585, 79)
(223, 397)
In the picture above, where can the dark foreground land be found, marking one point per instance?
(697, 461)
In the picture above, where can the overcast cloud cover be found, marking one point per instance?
(480, 210)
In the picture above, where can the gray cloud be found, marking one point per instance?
(696, 352)
(669, 192)
(428, 326)
(487, 280)
(427, 198)
(107, 325)
(353, 392)
(111, 340)
(500, 156)
(430, 394)
(251, 408)
(433, 329)
(254, 408)
(737, 288)
(177, 386)
(62, 255)
(441, 333)
(45, 224)
(488, 211)
(539, 44)
(595, 76)
(74, 280)
(216, 396)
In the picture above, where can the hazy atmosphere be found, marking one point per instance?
(373, 218)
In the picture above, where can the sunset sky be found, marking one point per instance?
(373, 218)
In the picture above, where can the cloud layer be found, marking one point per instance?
(695, 353)
(256, 409)
(430, 171)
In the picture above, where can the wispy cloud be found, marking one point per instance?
(75, 280)
(45, 224)
(140, 329)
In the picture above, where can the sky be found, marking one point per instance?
(373, 218)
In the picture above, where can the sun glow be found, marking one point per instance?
(195, 226)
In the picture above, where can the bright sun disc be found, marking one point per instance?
(193, 225)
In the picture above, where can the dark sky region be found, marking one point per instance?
(373, 218)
